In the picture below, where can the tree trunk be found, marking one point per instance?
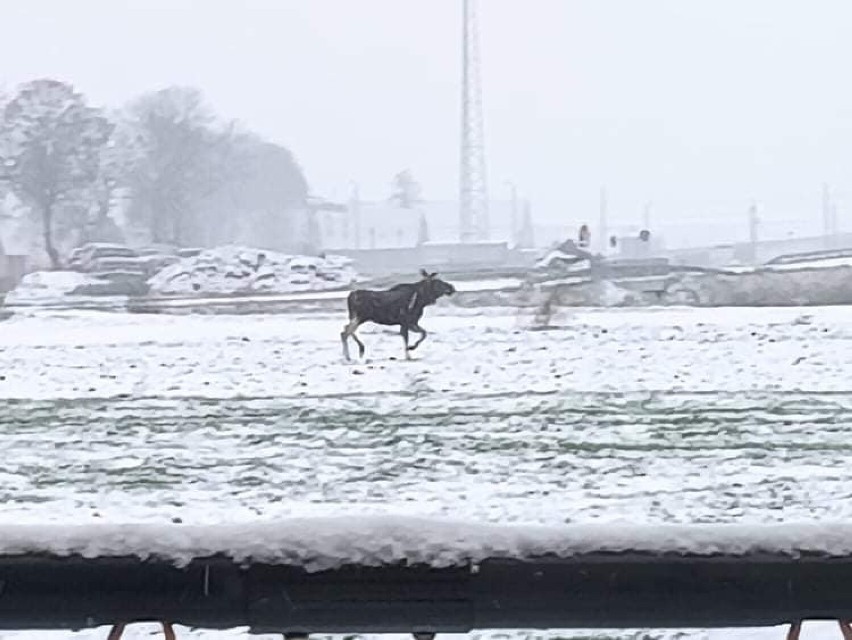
(53, 254)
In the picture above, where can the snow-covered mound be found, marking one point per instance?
(48, 287)
(235, 269)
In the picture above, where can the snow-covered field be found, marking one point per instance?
(637, 416)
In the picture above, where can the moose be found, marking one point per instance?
(401, 305)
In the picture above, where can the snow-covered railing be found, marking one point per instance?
(406, 574)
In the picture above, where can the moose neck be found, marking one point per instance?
(424, 295)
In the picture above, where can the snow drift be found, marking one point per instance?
(47, 287)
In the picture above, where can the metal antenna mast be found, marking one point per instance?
(473, 214)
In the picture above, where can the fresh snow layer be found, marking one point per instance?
(77, 354)
(817, 263)
(233, 269)
(326, 543)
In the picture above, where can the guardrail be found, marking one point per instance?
(382, 574)
(613, 590)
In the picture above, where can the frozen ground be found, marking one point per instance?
(647, 416)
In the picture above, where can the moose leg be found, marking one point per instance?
(422, 337)
(349, 331)
(403, 331)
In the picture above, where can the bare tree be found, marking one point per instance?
(51, 143)
(118, 160)
(406, 190)
(185, 157)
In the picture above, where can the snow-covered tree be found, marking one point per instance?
(51, 142)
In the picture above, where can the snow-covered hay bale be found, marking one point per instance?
(233, 270)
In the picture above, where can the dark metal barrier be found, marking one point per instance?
(592, 590)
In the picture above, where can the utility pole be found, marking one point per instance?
(526, 236)
(753, 222)
(513, 189)
(826, 214)
(646, 217)
(603, 232)
(473, 193)
(834, 226)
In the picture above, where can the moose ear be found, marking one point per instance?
(423, 273)
(433, 275)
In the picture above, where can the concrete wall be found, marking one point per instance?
(437, 256)
(383, 225)
(760, 253)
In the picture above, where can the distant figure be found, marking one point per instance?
(585, 236)
(645, 235)
(400, 305)
(613, 242)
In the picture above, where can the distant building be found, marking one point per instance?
(383, 237)
(386, 225)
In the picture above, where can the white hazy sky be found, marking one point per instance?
(698, 106)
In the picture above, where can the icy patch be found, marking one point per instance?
(233, 269)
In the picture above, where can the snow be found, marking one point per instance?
(624, 351)
(629, 419)
(46, 287)
(319, 544)
(233, 269)
(824, 263)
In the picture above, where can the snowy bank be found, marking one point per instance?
(326, 543)
(48, 287)
(775, 287)
(233, 269)
(768, 287)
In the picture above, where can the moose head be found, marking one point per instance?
(434, 286)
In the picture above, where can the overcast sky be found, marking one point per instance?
(697, 106)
